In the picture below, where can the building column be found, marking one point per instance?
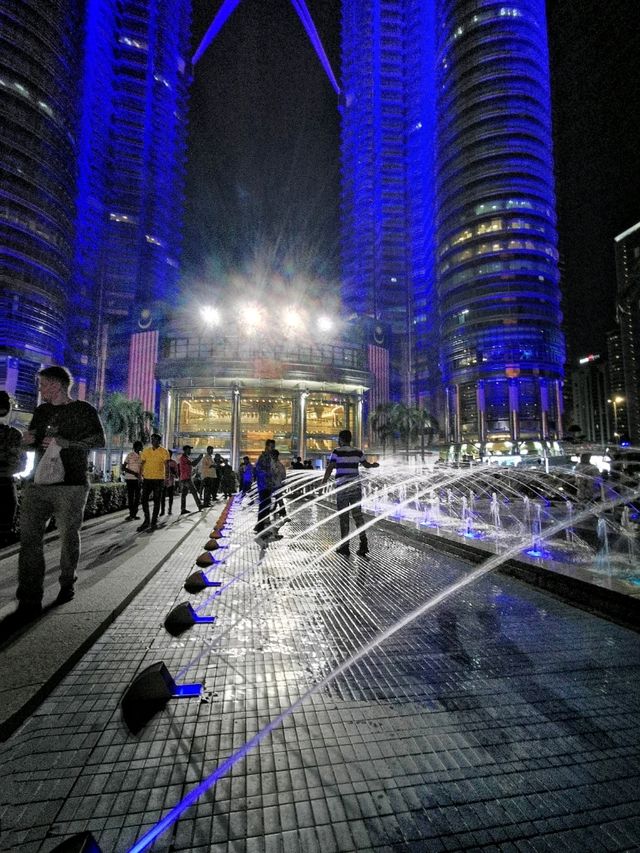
(514, 418)
(357, 421)
(235, 428)
(167, 415)
(544, 410)
(454, 392)
(481, 404)
(559, 409)
(302, 422)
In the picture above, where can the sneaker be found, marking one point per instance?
(66, 593)
(363, 551)
(184, 512)
(343, 551)
(143, 526)
(129, 518)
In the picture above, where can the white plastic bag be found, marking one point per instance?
(50, 469)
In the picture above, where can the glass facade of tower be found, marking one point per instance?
(502, 349)
(373, 172)
(131, 175)
(627, 252)
(467, 173)
(39, 53)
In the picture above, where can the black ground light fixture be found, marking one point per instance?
(182, 617)
(83, 842)
(199, 581)
(149, 692)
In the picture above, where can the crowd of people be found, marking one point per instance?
(151, 475)
(63, 431)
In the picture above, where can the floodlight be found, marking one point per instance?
(325, 324)
(210, 315)
(293, 320)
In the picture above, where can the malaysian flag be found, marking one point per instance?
(379, 367)
(143, 356)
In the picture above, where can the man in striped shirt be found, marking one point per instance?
(345, 460)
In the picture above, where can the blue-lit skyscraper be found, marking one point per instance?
(132, 153)
(39, 58)
(93, 108)
(475, 223)
(502, 349)
(374, 214)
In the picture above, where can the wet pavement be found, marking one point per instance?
(503, 719)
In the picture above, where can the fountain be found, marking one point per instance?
(602, 557)
(385, 500)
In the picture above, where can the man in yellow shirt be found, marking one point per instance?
(153, 467)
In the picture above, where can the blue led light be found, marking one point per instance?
(187, 690)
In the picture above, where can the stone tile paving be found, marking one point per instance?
(503, 720)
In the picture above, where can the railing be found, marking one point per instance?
(229, 349)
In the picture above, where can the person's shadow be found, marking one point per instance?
(13, 625)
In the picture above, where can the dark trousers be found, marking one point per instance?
(264, 509)
(278, 503)
(151, 487)
(348, 501)
(133, 496)
(167, 492)
(187, 487)
(210, 490)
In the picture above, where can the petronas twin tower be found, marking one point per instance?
(448, 223)
(449, 228)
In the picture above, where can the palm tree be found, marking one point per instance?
(427, 424)
(383, 423)
(406, 422)
(124, 419)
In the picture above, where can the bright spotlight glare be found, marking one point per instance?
(293, 320)
(325, 324)
(252, 318)
(210, 315)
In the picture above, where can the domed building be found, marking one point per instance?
(234, 385)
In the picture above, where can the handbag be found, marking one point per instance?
(50, 469)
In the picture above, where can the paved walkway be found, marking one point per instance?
(503, 719)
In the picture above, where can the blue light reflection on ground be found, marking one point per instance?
(539, 553)
(471, 534)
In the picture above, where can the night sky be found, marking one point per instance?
(263, 174)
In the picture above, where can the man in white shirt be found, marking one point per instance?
(210, 477)
(132, 479)
(346, 461)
